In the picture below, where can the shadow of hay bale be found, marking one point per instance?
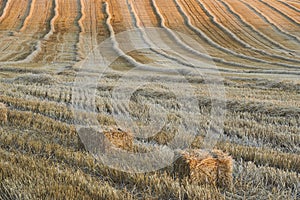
(204, 167)
(3, 114)
(100, 142)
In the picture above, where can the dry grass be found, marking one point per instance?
(254, 44)
(3, 113)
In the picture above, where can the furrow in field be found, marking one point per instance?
(39, 26)
(259, 36)
(285, 11)
(139, 24)
(199, 19)
(220, 57)
(52, 21)
(295, 4)
(275, 20)
(116, 47)
(263, 24)
(13, 13)
(145, 12)
(84, 44)
(3, 4)
(39, 168)
(263, 156)
(31, 34)
(79, 27)
(60, 44)
(91, 24)
(27, 15)
(223, 20)
(226, 50)
(290, 5)
(120, 16)
(10, 22)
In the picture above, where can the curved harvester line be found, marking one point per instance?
(59, 46)
(207, 39)
(119, 51)
(88, 36)
(269, 21)
(30, 9)
(83, 16)
(12, 16)
(219, 60)
(79, 25)
(253, 29)
(26, 15)
(82, 41)
(289, 5)
(15, 48)
(290, 19)
(38, 46)
(244, 44)
(52, 22)
(153, 47)
(138, 25)
(115, 44)
(214, 44)
(2, 7)
(5, 10)
(295, 4)
(188, 48)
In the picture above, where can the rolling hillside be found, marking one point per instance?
(46, 46)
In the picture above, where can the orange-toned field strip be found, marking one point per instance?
(67, 31)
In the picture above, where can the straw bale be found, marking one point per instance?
(204, 167)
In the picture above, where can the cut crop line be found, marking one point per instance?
(244, 44)
(3, 6)
(79, 26)
(188, 48)
(269, 21)
(29, 16)
(206, 38)
(214, 44)
(52, 22)
(289, 5)
(119, 51)
(26, 15)
(38, 46)
(162, 53)
(252, 28)
(153, 47)
(290, 19)
(5, 10)
(252, 31)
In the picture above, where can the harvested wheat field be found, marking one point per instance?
(149, 99)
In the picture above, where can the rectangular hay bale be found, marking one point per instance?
(204, 167)
(96, 141)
